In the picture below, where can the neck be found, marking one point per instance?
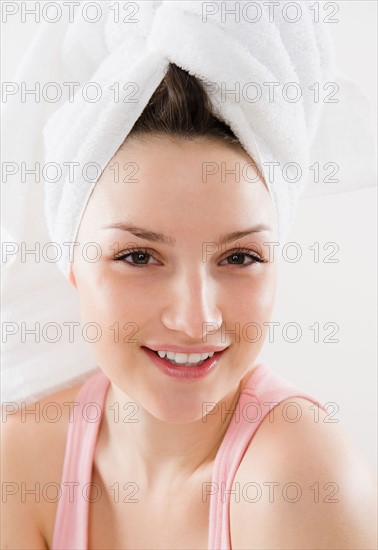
(154, 450)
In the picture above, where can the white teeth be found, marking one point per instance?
(183, 358)
(196, 357)
(179, 358)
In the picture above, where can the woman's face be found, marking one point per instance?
(190, 290)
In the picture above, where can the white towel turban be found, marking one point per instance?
(270, 74)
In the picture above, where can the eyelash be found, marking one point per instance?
(238, 252)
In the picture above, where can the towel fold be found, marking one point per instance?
(274, 82)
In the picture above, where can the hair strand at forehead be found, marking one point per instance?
(180, 107)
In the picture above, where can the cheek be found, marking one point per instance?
(116, 304)
(252, 307)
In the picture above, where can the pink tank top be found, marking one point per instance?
(264, 390)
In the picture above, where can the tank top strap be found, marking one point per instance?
(263, 391)
(71, 520)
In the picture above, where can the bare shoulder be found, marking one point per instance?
(303, 484)
(33, 439)
(44, 421)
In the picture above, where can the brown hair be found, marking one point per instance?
(181, 107)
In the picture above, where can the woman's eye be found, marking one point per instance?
(238, 257)
(141, 257)
(137, 257)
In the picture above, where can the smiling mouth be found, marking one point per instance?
(184, 371)
(178, 364)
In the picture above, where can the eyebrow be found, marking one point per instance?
(156, 237)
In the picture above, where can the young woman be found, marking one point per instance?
(182, 440)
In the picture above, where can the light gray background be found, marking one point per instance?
(344, 292)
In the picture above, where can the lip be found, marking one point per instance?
(184, 373)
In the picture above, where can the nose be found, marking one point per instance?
(192, 307)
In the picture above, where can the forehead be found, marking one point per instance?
(177, 180)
